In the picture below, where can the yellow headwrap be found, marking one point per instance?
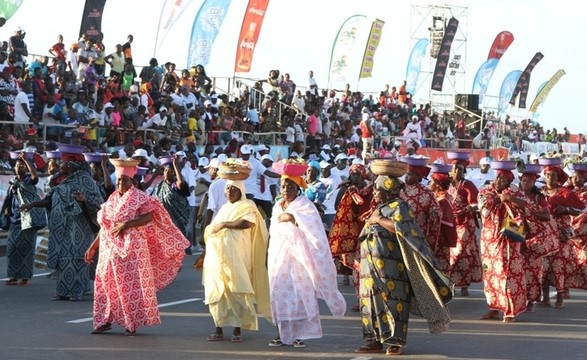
(297, 179)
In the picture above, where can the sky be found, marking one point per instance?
(297, 36)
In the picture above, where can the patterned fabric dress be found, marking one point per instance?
(503, 262)
(448, 233)
(427, 211)
(175, 203)
(301, 271)
(577, 267)
(22, 233)
(465, 260)
(71, 233)
(399, 276)
(133, 266)
(555, 271)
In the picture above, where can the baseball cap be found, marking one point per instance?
(246, 149)
(140, 153)
(397, 143)
(340, 156)
(324, 164)
(267, 157)
(533, 157)
(181, 154)
(108, 105)
(162, 108)
(207, 102)
(262, 147)
(484, 161)
(203, 161)
(325, 147)
(222, 158)
(212, 164)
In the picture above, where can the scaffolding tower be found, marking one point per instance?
(429, 22)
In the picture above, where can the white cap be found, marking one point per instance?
(357, 161)
(133, 89)
(203, 161)
(140, 153)
(365, 116)
(246, 149)
(181, 154)
(213, 163)
(324, 164)
(222, 158)
(533, 157)
(267, 157)
(484, 161)
(262, 147)
(108, 105)
(325, 147)
(397, 143)
(207, 102)
(340, 156)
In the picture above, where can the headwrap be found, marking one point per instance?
(463, 162)
(315, 164)
(507, 174)
(561, 176)
(296, 179)
(129, 171)
(531, 175)
(442, 179)
(582, 173)
(240, 185)
(146, 87)
(390, 184)
(360, 168)
(421, 171)
(72, 157)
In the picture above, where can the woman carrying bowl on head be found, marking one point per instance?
(577, 272)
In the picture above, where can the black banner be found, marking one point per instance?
(92, 19)
(524, 82)
(444, 54)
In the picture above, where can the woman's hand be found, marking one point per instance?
(374, 218)
(79, 197)
(118, 228)
(217, 227)
(199, 263)
(89, 255)
(285, 217)
(23, 207)
(503, 197)
(559, 210)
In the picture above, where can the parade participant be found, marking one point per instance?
(140, 253)
(235, 276)
(398, 273)
(465, 260)
(300, 265)
(562, 203)
(504, 279)
(22, 225)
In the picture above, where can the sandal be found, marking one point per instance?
(356, 308)
(464, 291)
(215, 337)
(236, 339)
(11, 282)
(394, 350)
(559, 305)
(24, 282)
(130, 333)
(59, 298)
(276, 342)
(298, 343)
(373, 347)
(102, 328)
(490, 315)
(509, 319)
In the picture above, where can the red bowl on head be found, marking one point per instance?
(458, 155)
(550, 161)
(579, 166)
(440, 168)
(504, 164)
(413, 161)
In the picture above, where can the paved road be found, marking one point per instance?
(33, 327)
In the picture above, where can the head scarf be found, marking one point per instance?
(72, 157)
(582, 173)
(442, 179)
(561, 176)
(465, 163)
(360, 168)
(315, 164)
(390, 184)
(421, 171)
(240, 185)
(532, 176)
(296, 179)
(507, 174)
(129, 171)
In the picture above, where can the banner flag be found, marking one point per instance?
(174, 12)
(483, 77)
(372, 44)
(343, 46)
(92, 19)
(444, 54)
(8, 8)
(415, 65)
(204, 31)
(545, 90)
(502, 42)
(249, 34)
(524, 82)
(507, 89)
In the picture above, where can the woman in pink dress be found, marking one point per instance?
(577, 269)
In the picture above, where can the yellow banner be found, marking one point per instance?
(372, 44)
(543, 93)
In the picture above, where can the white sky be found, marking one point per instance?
(297, 36)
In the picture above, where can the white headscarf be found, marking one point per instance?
(240, 185)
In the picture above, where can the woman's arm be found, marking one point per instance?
(89, 254)
(384, 222)
(237, 225)
(141, 220)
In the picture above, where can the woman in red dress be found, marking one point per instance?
(577, 269)
(448, 233)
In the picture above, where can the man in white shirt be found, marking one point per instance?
(331, 182)
(255, 183)
(216, 197)
(341, 170)
(264, 200)
(483, 175)
(22, 111)
(189, 176)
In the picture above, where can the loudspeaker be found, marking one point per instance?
(467, 101)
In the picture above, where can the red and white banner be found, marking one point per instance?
(249, 34)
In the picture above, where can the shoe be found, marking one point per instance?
(24, 282)
(75, 298)
(559, 305)
(370, 348)
(102, 328)
(298, 343)
(276, 342)
(490, 315)
(11, 282)
(394, 350)
(236, 339)
(215, 337)
(59, 298)
(509, 319)
(356, 308)
(464, 291)
(129, 333)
